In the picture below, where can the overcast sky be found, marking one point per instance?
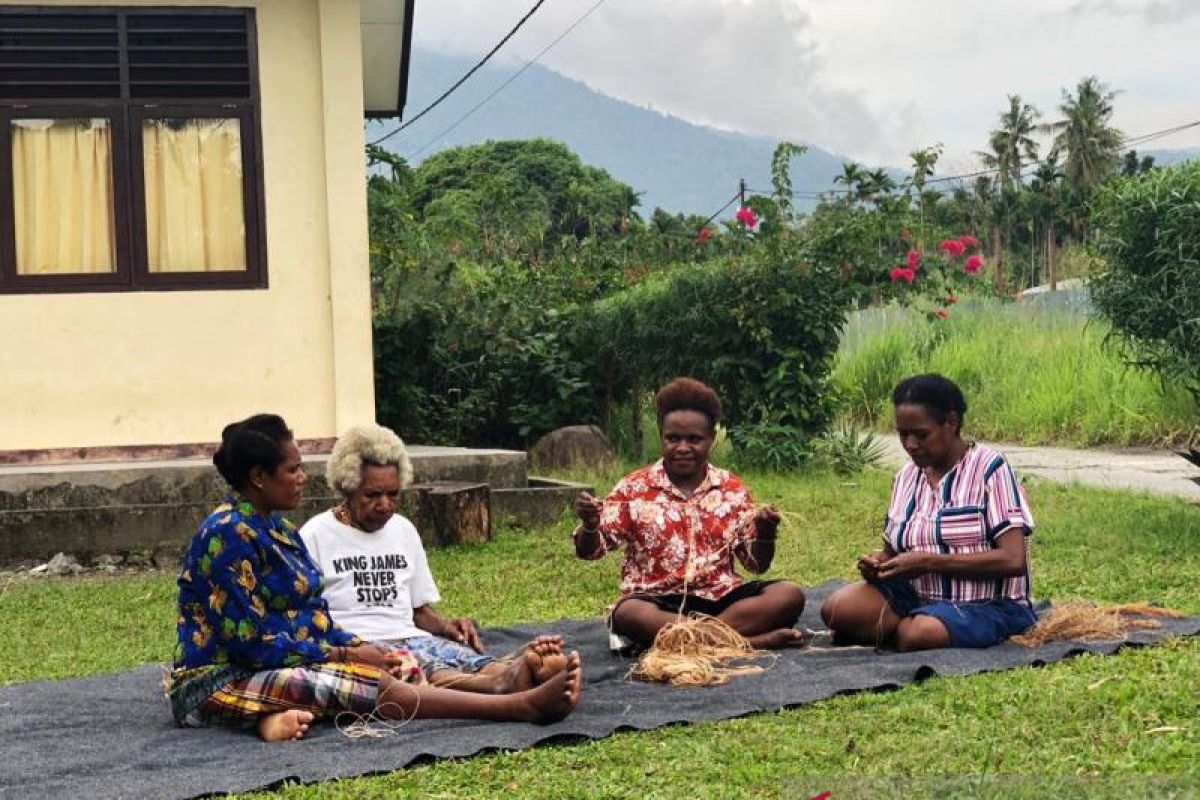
(871, 79)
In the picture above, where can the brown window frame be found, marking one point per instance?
(125, 115)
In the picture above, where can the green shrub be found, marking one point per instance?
(848, 451)
(1148, 232)
(761, 330)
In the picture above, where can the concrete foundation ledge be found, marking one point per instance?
(542, 502)
(88, 510)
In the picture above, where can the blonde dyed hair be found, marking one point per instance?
(366, 445)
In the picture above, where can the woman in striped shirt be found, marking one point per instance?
(954, 567)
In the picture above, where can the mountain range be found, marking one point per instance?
(672, 163)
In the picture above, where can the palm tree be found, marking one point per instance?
(1090, 145)
(852, 175)
(1047, 205)
(924, 162)
(875, 185)
(1012, 144)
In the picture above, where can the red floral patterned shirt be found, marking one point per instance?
(677, 544)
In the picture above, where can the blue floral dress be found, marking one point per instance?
(249, 600)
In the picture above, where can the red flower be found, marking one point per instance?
(746, 216)
(902, 274)
(951, 300)
(974, 264)
(914, 259)
(952, 247)
(704, 235)
(968, 241)
(942, 313)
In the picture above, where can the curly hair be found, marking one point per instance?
(366, 445)
(256, 441)
(688, 394)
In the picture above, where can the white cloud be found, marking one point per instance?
(873, 79)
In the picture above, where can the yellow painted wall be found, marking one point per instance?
(132, 368)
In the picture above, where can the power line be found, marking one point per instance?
(720, 210)
(512, 78)
(521, 22)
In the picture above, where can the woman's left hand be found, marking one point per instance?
(904, 565)
(463, 631)
(766, 522)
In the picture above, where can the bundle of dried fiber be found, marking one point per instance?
(698, 651)
(1083, 620)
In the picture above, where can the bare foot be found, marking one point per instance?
(535, 663)
(545, 645)
(555, 698)
(284, 726)
(527, 670)
(777, 639)
(551, 658)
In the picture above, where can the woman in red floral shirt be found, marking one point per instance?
(682, 522)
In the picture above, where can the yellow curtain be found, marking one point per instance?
(63, 196)
(194, 216)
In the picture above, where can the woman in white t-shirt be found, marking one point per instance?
(377, 579)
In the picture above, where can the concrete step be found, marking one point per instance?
(87, 509)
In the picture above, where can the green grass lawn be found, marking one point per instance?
(1033, 372)
(1136, 713)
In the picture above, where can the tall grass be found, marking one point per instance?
(1035, 372)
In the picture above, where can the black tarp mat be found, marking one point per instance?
(112, 736)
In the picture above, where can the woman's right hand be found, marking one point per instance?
(868, 565)
(587, 508)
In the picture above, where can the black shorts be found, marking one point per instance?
(690, 604)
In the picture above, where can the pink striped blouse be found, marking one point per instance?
(976, 501)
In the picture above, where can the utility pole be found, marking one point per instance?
(742, 192)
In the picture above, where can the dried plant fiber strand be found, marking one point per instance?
(1086, 621)
(698, 651)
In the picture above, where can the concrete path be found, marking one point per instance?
(1155, 471)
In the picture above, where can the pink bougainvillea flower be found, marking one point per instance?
(952, 247)
(704, 235)
(951, 300)
(974, 264)
(942, 313)
(968, 241)
(902, 274)
(746, 216)
(914, 259)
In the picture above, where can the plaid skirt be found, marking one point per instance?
(326, 689)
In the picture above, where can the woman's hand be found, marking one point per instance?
(904, 565)
(389, 661)
(587, 508)
(766, 523)
(463, 631)
(868, 565)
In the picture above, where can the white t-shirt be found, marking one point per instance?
(373, 581)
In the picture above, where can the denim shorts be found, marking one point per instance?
(979, 623)
(436, 653)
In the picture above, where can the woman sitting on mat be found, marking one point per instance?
(256, 644)
(682, 521)
(377, 579)
(954, 568)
